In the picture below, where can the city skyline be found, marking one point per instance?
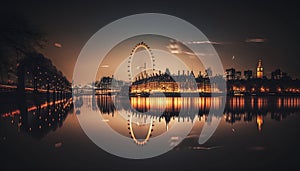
(277, 73)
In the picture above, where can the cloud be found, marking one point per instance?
(177, 48)
(58, 45)
(58, 144)
(203, 148)
(174, 48)
(104, 66)
(205, 42)
(255, 40)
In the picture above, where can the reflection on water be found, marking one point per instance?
(64, 144)
(143, 117)
(37, 117)
(255, 109)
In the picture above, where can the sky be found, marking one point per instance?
(243, 32)
(175, 59)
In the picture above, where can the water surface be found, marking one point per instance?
(254, 133)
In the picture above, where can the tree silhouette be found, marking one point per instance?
(18, 40)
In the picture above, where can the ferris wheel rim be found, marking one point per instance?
(133, 51)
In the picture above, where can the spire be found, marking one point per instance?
(167, 71)
(192, 73)
(259, 70)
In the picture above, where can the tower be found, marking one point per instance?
(259, 70)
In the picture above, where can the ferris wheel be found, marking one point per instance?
(133, 136)
(131, 119)
(142, 45)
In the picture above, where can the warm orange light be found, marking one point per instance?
(259, 121)
(17, 112)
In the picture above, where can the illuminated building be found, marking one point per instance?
(163, 82)
(259, 70)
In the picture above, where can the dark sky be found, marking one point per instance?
(249, 30)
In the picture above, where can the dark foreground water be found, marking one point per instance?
(254, 134)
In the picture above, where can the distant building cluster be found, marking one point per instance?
(280, 82)
(233, 74)
(152, 81)
(109, 83)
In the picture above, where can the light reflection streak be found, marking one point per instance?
(237, 108)
(32, 108)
